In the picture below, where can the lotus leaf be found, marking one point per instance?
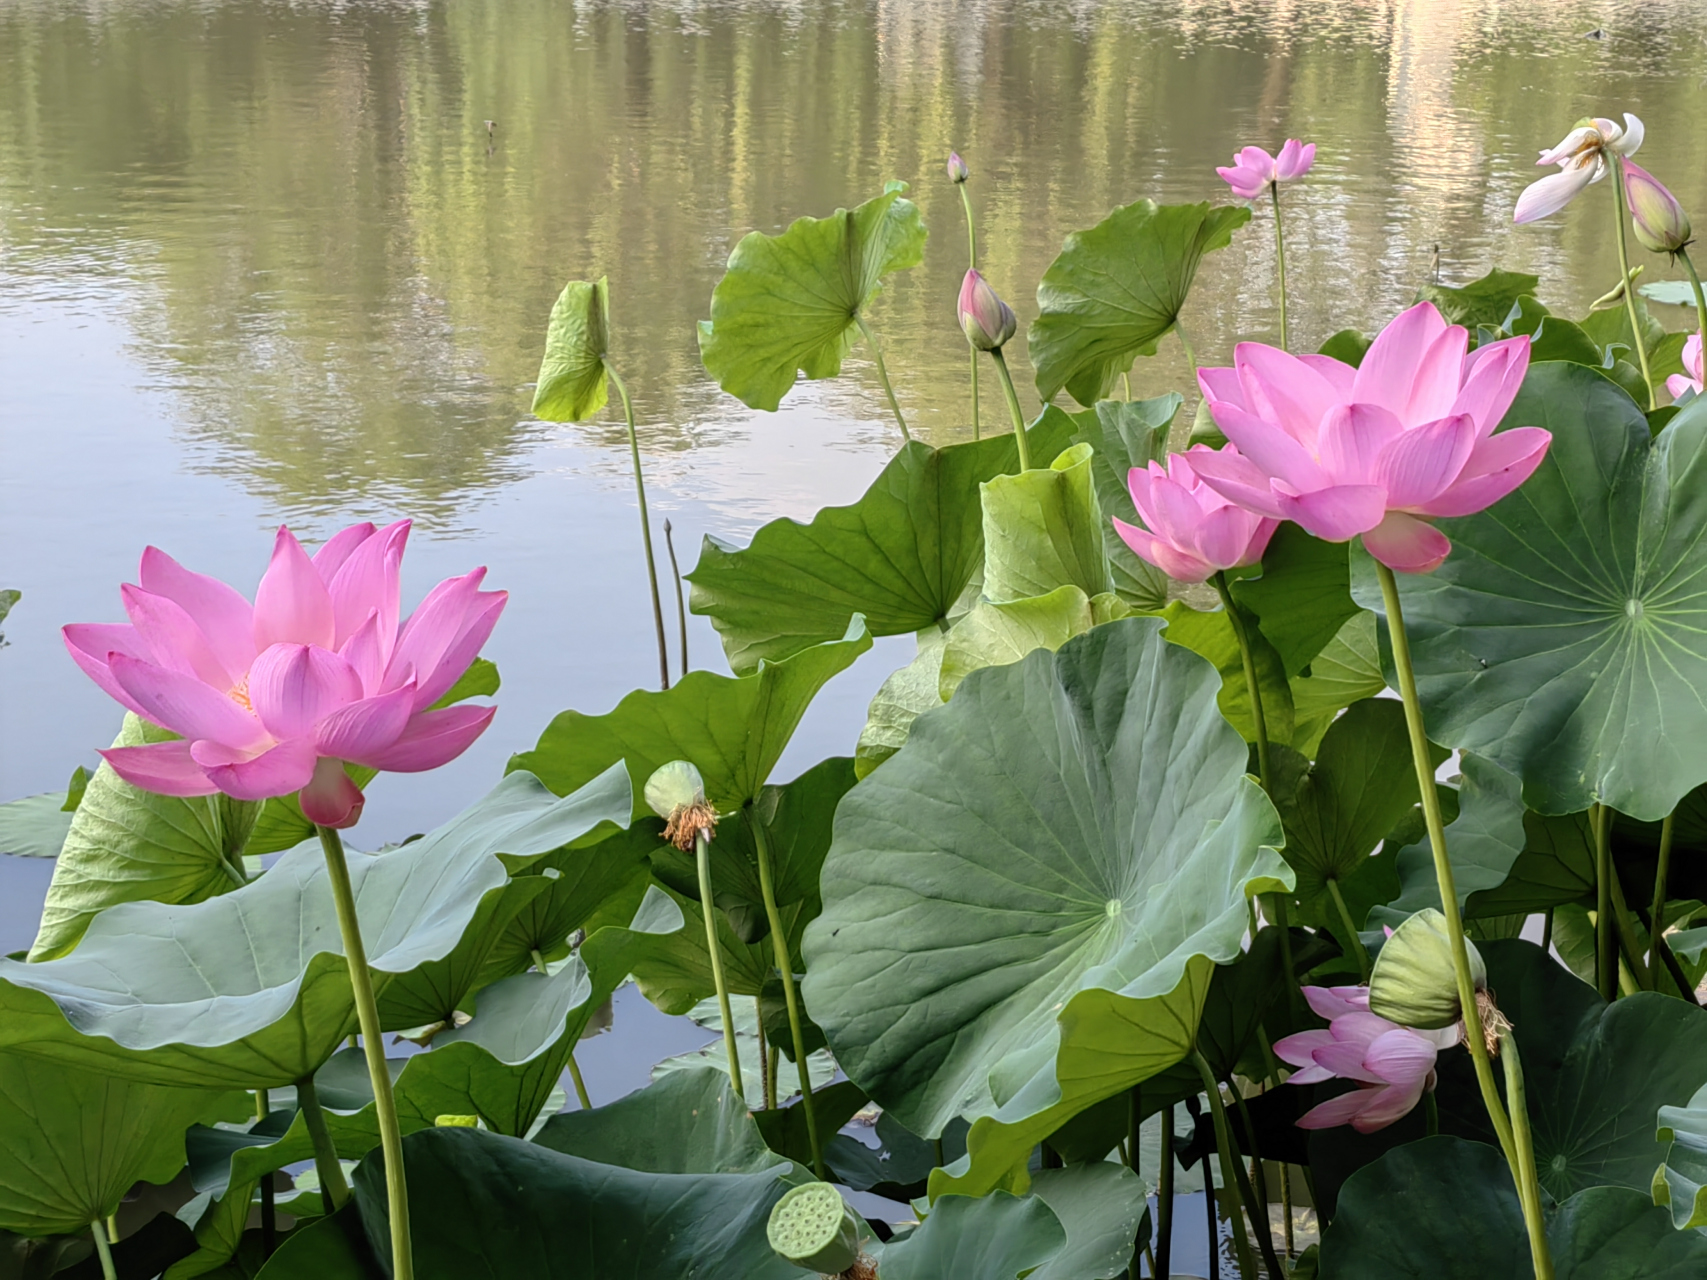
(1487, 301)
(993, 1237)
(1126, 434)
(572, 383)
(1681, 1182)
(34, 826)
(1210, 635)
(994, 635)
(1043, 530)
(903, 696)
(685, 1122)
(1346, 670)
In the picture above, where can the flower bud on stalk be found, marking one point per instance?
(956, 168)
(676, 793)
(988, 321)
(1660, 222)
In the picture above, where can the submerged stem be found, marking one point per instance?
(1231, 1174)
(108, 1271)
(702, 859)
(1656, 918)
(645, 525)
(1280, 262)
(334, 1190)
(1629, 284)
(1529, 1184)
(1248, 657)
(883, 374)
(681, 602)
(1014, 410)
(785, 966)
(373, 1045)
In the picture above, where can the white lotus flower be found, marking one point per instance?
(1582, 160)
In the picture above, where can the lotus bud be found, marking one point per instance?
(957, 170)
(676, 793)
(989, 322)
(1414, 983)
(1661, 224)
(813, 1228)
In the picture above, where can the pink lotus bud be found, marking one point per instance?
(1190, 531)
(1660, 222)
(957, 170)
(989, 322)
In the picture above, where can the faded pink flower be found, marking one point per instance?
(271, 698)
(1190, 531)
(1254, 171)
(1376, 450)
(1392, 1065)
(1693, 378)
(1582, 158)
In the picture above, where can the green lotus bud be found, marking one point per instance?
(1415, 983)
(1659, 221)
(813, 1228)
(676, 793)
(957, 170)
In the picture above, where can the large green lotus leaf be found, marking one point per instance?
(1347, 670)
(993, 1237)
(572, 384)
(1681, 1182)
(35, 826)
(783, 1127)
(130, 845)
(686, 1122)
(334, 1248)
(1043, 529)
(250, 989)
(1116, 290)
(1487, 301)
(902, 555)
(1302, 597)
(1595, 1074)
(1023, 907)
(733, 728)
(76, 1141)
(1126, 434)
(1100, 1206)
(673, 968)
(1563, 638)
(1460, 1220)
(903, 696)
(993, 635)
(1209, 634)
(549, 1216)
(790, 302)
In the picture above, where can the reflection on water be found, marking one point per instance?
(317, 245)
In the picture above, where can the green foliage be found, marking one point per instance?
(1125, 434)
(1681, 1182)
(35, 826)
(572, 384)
(1487, 301)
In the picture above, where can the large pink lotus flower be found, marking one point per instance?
(1379, 449)
(1582, 159)
(1694, 377)
(271, 699)
(1254, 171)
(1391, 1065)
(1191, 531)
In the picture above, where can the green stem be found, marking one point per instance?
(1280, 262)
(681, 602)
(1547, 932)
(373, 1045)
(1248, 658)
(1605, 948)
(1283, 922)
(581, 1094)
(1443, 863)
(333, 1189)
(1165, 1198)
(1126, 386)
(1629, 944)
(1357, 947)
(1258, 1182)
(1700, 297)
(1656, 918)
(1133, 1112)
(1629, 285)
(765, 1051)
(972, 261)
(645, 525)
(883, 374)
(1014, 410)
(1190, 355)
(1529, 1184)
(108, 1271)
(1231, 1174)
(1432, 1110)
(785, 966)
(702, 857)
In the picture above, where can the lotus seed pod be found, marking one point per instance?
(674, 786)
(1414, 983)
(813, 1228)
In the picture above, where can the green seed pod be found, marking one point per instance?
(813, 1228)
(674, 786)
(1414, 983)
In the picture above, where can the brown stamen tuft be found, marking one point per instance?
(686, 822)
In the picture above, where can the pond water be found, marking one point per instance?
(266, 262)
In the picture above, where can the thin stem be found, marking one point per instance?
(1432, 1111)
(1248, 658)
(883, 374)
(1258, 1182)
(1280, 262)
(1185, 342)
(1230, 1171)
(1442, 862)
(1165, 1198)
(1282, 922)
(702, 857)
(765, 1051)
(1014, 410)
(108, 1271)
(333, 1189)
(233, 874)
(1213, 1233)
(373, 1045)
(269, 1203)
(1700, 297)
(1656, 918)
(1126, 386)
(113, 1227)
(581, 1094)
(972, 261)
(1628, 942)
(1286, 1209)
(785, 966)
(1133, 1112)
(645, 525)
(1529, 1185)
(770, 1080)
(1547, 932)
(1357, 947)
(1629, 285)
(681, 602)
(1605, 948)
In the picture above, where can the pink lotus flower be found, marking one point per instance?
(1377, 450)
(1254, 171)
(1694, 377)
(1392, 1065)
(988, 321)
(1582, 158)
(270, 699)
(1191, 531)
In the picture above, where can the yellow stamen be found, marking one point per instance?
(239, 693)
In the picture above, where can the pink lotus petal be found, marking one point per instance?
(1310, 1075)
(1401, 1057)
(1546, 196)
(1178, 565)
(1337, 1002)
(1495, 467)
(1424, 461)
(1238, 480)
(280, 771)
(1299, 1049)
(292, 605)
(1345, 1060)
(1271, 449)
(1222, 383)
(1406, 544)
(293, 686)
(435, 625)
(1294, 160)
(1296, 393)
(1341, 1110)
(365, 651)
(1492, 376)
(464, 649)
(1353, 437)
(1339, 375)
(1172, 511)
(1575, 145)
(1337, 513)
(331, 798)
(1224, 536)
(369, 581)
(336, 549)
(91, 645)
(1394, 1102)
(174, 640)
(1677, 384)
(435, 737)
(165, 768)
(184, 704)
(1395, 359)
(224, 616)
(361, 731)
(1439, 374)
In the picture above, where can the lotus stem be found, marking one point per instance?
(1628, 942)
(1629, 285)
(1443, 864)
(1357, 948)
(972, 261)
(1656, 918)
(1213, 1235)
(269, 1204)
(1134, 1112)
(1126, 386)
(1529, 1185)
(1547, 932)
(1248, 658)
(1231, 1174)
(645, 525)
(702, 858)
(99, 1231)
(785, 966)
(883, 375)
(334, 1191)
(1259, 1183)
(581, 1094)
(766, 1086)
(1185, 344)
(1431, 1114)
(1605, 948)
(681, 602)
(1280, 260)
(373, 1045)
(1282, 921)
(1700, 297)
(1165, 1198)
(1014, 410)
